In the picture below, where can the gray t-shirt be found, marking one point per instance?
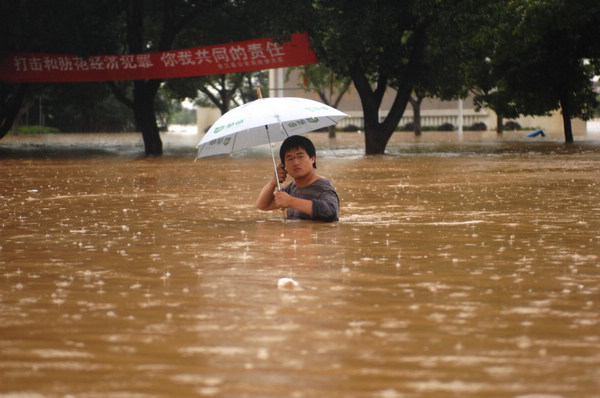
(325, 201)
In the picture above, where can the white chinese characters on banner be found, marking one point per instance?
(66, 63)
(249, 55)
(223, 57)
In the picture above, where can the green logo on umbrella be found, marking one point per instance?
(302, 122)
(228, 126)
(218, 141)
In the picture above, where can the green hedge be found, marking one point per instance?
(34, 129)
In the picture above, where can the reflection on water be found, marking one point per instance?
(458, 269)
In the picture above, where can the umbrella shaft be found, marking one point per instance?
(273, 157)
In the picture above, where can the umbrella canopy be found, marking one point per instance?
(266, 120)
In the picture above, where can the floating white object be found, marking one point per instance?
(287, 284)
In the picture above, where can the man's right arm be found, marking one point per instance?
(266, 199)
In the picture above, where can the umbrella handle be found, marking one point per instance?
(277, 179)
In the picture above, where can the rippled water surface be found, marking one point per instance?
(459, 268)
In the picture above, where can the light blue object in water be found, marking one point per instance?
(536, 133)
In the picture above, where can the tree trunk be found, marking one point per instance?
(377, 134)
(147, 123)
(566, 114)
(11, 105)
(144, 91)
(417, 119)
(375, 141)
(331, 131)
(499, 124)
(416, 105)
(144, 94)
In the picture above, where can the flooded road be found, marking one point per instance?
(458, 269)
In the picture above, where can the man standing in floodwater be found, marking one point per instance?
(310, 196)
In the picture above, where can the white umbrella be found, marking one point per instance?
(264, 121)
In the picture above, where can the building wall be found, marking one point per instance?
(553, 124)
(205, 117)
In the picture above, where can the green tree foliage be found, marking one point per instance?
(540, 58)
(443, 74)
(115, 27)
(161, 25)
(381, 45)
(253, 81)
(230, 21)
(181, 115)
(152, 26)
(485, 81)
(329, 86)
(68, 26)
(520, 56)
(221, 91)
(81, 107)
(86, 107)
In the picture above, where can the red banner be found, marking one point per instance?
(243, 56)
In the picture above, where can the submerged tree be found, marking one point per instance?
(540, 57)
(379, 44)
(161, 25)
(152, 26)
(12, 100)
(559, 54)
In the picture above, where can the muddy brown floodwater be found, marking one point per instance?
(461, 268)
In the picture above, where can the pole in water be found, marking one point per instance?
(460, 117)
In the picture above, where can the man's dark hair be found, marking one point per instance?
(298, 141)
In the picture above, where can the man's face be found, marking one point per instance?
(297, 163)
